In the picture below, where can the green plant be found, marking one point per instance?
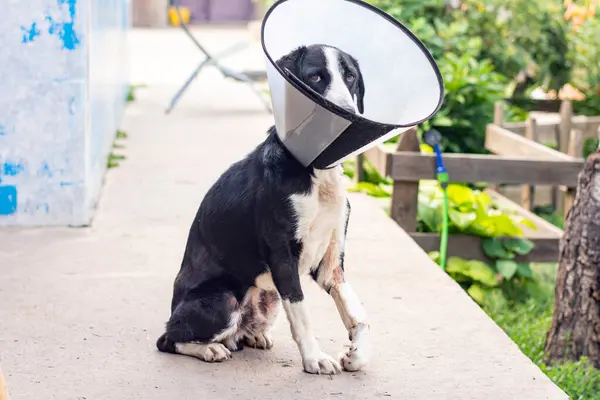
(131, 93)
(548, 213)
(475, 277)
(113, 158)
(492, 49)
(471, 211)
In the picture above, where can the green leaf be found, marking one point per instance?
(371, 173)
(507, 268)
(349, 167)
(431, 215)
(477, 293)
(520, 246)
(524, 270)
(460, 194)
(462, 219)
(493, 248)
(435, 256)
(442, 121)
(475, 271)
(481, 273)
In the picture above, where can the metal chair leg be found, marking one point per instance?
(187, 83)
(214, 61)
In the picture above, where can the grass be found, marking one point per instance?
(527, 324)
(113, 158)
(131, 93)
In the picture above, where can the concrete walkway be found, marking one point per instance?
(80, 309)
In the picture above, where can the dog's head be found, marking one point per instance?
(330, 72)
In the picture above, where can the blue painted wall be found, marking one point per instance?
(64, 78)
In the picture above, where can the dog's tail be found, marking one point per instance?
(165, 344)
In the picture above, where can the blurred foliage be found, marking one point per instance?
(488, 50)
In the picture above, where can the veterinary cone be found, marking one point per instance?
(402, 84)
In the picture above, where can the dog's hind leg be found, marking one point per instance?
(203, 327)
(260, 309)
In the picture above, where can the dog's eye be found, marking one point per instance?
(350, 77)
(315, 78)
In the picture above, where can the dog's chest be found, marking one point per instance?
(321, 217)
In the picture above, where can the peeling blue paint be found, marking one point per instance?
(64, 184)
(2, 130)
(72, 105)
(64, 30)
(45, 171)
(8, 200)
(12, 169)
(29, 34)
(31, 207)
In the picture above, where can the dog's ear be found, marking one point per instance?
(292, 60)
(360, 95)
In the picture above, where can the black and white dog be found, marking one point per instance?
(264, 223)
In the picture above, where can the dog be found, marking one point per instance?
(267, 221)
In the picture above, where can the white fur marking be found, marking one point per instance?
(337, 92)
(318, 215)
(211, 352)
(360, 349)
(265, 281)
(313, 359)
(351, 303)
(230, 331)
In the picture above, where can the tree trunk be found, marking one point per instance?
(575, 329)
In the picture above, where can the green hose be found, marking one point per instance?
(443, 180)
(444, 237)
(433, 138)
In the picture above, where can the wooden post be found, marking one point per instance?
(528, 191)
(359, 175)
(566, 123)
(576, 319)
(564, 135)
(499, 121)
(499, 113)
(405, 194)
(575, 149)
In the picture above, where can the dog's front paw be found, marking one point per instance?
(260, 341)
(359, 353)
(354, 359)
(322, 364)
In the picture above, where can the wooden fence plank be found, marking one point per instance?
(469, 247)
(405, 194)
(501, 141)
(469, 168)
(588, 125)
(360, 168)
